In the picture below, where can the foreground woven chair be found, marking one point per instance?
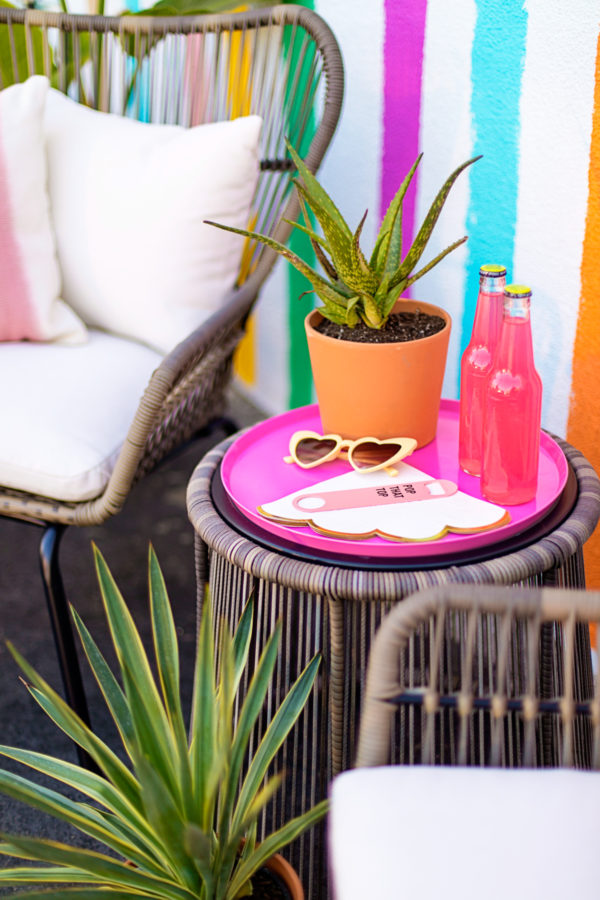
(486, 698)
(482, 675)
(282, 64)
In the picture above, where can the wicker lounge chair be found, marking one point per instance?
(282, 64)
(465, 686)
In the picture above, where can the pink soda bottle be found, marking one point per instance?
(476, 364)
(513, 408)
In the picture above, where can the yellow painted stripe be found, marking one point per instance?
(584, 415)
(240, 97)
(240, 59)
(245, 358)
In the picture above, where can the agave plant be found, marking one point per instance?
(355, 289)
(179, 819)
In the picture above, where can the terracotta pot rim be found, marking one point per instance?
(361, 346)
(368, 397)
(287, 873)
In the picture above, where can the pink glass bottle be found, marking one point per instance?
(476, 364)
(513, 409)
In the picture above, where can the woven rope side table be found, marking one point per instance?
(335, 610)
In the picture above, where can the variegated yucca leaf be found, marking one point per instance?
(179, 821)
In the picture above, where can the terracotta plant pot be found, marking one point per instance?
(281, 867)
(380, 390)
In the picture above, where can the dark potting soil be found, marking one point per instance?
(267, 885)
(402, 326)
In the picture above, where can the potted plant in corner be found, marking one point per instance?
(178, 818)
(378, 361)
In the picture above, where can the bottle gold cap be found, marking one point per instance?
(492, 270)
(517, 290)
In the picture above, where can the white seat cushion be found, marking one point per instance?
(66, 411)
(464, 834)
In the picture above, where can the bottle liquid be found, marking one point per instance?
(513, 408)
(476, 364)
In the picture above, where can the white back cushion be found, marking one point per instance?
(30, 304)
(129, 201)
(66, 412)
(431, 832)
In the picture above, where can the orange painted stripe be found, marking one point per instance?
(584, 415)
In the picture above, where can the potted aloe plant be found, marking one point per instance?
(378, 361)
(178, 817)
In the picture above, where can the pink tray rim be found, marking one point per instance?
(253, 472)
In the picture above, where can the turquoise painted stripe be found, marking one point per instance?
(498, 58)
(138, 107)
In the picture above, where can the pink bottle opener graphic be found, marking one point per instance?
(355, 498)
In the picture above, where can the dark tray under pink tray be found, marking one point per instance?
(253, 472)
(240, 523)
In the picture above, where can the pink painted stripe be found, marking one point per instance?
(403, 69)
(17, 316)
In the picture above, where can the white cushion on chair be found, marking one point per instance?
(464, 834)
(66, 412)
(30, 304)
(129, 201)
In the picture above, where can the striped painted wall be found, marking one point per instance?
(519, 82)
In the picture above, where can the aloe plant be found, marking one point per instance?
(178, 818)
(355, 288)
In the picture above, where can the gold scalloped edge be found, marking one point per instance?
(448, 529)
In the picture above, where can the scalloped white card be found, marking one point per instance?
(409, 506)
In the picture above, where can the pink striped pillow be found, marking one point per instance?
(30, 283)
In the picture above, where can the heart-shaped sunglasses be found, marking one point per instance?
(368, 454)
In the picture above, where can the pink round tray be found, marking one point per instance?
(253, 472)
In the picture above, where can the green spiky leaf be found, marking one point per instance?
(322, 287)
(111, 690)
(339, 241)
(420, 242)
(317, 194)
(277, 731)
(332, 315)
(100, 868)
(433, 262)
(79, 815)
(366, 280)
(97, 788)
(327, 266)
(70, 723)
(387, 252)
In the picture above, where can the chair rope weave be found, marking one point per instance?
(484, 675)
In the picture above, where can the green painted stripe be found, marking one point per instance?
(300, 374)
(299, 371)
